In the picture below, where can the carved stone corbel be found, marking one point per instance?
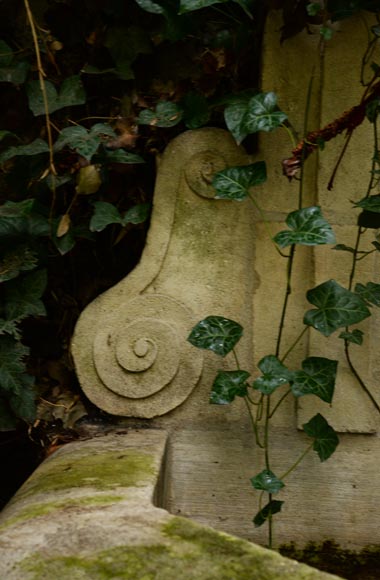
(129, 346)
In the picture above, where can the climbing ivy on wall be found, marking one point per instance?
(90, 92)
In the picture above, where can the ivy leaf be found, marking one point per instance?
(271, 508)
(105, 214)
(137, 214)
(65, 243)
(263, 114)
(316, 378)
(34, 148)
(15, 73)
(12, 366)
(217, 334)
(370, 203)
(343, 248)
(79, 139)
(23, 403)
(234, 182)
(326, 440)
(6, 54)
(336, 307)
(102, 129)
(195, 110)
(369, 293)
(20, 258)
(234, 114)
(356, 336)
(191, 5)
(23, 296)
(227, 386)
(11, 70)
(8, 422)
(152, 7)
(267, 481)
(21, 218)
(166, 114)
(123, 52)
(121, 156)
(71, 93)
(275, 374)
(309, 229)
(369, 219)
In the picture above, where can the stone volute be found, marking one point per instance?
(130, 347)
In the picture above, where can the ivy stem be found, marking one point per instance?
(41, 76)
(253, 423)
(286, 299)
(293, 467)
(290, 131)
(279, 403)
(355, 259)
(285, 356)
(358, 377)
(249, 409)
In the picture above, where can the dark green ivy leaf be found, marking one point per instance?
(263, 114)
(23, 296)
(217, 334)
(237, 106)
(84, 142)
(316, 378)
(122, 156)
(71, 93)
(150, 6)
(137, 214)
(34, 148)
(267, 481)
(356, 336)
(336, 307)
(326, 440)
(370, 292)
(19, 258)
(370, 203)
(309, 228)
(105, 214)
(191, 5)
(23, 403)
(166, 114)
(12, 366)
(234, 183)
(271, 508)
(195, 110)
(227, 386)
(275, 374)
(344, 248)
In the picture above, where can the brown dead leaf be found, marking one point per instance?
(64, 225)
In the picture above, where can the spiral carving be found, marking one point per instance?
(200, 171)
(143, 357)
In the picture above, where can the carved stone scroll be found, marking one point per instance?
(130, 347)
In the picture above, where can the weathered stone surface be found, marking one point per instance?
(130, 346)
(87, 513)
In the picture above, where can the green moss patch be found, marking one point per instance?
(42, 509)
(162, 562)
(101, 471)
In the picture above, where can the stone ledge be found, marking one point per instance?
(88, 513)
